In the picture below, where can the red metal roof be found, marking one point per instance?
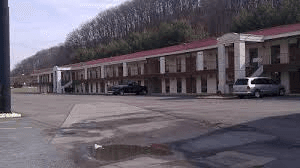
(171, 49)
(193, 45)
(276, 30)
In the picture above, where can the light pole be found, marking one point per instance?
(5, 101)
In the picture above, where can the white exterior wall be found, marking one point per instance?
(163, 85)
(211, 84)
(183, 85)
(173, 85)
(198, 85)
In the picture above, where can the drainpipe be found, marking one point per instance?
(5, 96)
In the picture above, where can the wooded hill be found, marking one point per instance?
(147, 24)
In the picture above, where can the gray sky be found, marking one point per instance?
(40, 24)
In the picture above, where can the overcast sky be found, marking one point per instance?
(40, 24)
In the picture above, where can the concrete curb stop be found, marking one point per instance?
(10, 115)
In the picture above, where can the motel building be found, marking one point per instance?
(199, 67)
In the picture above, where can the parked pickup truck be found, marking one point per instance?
(131, 87)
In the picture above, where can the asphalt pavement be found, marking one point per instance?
(23, 146)
(134, 131)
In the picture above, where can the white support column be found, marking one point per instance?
(183, 64)
(54, 81)
(143, 82)
(38, 79)
(163, 86)
(284, 52)
(183, 85)
(239, 60)
(103, 71)
(162, 61)
(198, 84)
(58, 82)
(125, 69)
(142, 68)
(173, 85)
(199, 61)
(85, 74)
(285, 81)
(105, 87)
(221, 68)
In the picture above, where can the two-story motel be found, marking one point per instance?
(205, 66)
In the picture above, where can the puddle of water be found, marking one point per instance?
(119, 152)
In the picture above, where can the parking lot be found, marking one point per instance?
(77, 122)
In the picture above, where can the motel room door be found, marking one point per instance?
(295, 82)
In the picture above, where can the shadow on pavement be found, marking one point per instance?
(268, 142)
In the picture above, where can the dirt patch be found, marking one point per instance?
(111, 124)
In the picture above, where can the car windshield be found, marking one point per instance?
(241, 82)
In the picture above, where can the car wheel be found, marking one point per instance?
(241, 96)
(257, 94)
(281, 92)
(122, 92)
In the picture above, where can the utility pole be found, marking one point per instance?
(5, 95)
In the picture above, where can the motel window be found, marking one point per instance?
(178, 64)
(91, 74)
(179, 85)
(275, 54)
(139, 70)
(129, 71)
(91, 88)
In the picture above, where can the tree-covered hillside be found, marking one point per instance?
(147, 24)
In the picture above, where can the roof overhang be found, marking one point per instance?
(296, 33)
(235, 37)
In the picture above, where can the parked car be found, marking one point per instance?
(131, 87)
(258, 87)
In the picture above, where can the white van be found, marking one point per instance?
(257, 86)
